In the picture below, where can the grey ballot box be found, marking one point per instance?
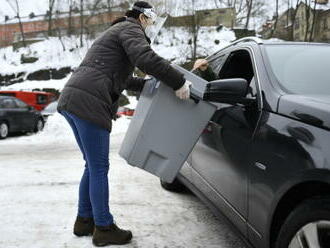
(164, 128)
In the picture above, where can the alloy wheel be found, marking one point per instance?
(312, 235)
(3, 130)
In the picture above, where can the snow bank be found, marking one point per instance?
(49, 52)
(57, 130)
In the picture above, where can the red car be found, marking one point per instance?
(37, 99)
(125, 111)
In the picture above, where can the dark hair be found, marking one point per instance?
(133, 13)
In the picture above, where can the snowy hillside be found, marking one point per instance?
(172, 44)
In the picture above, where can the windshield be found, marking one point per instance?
(301, 69)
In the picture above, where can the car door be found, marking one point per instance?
(26, 115)
(11, 114)
(220, 159)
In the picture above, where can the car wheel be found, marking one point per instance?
(39, 125)
(4, 130)
(175, 186)
(308, 226)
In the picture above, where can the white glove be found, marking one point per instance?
(184, 92)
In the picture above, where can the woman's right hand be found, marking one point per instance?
(184, 92)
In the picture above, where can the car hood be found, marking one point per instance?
(311, 109)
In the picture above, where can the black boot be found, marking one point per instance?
(83, 226)
(112, 234)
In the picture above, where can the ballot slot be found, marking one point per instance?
(164, 128)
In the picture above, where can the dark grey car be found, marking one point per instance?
(263, 161)
(17, 116)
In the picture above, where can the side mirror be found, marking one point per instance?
(231, 90)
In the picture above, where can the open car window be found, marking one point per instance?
(237, 65)
(216, 62)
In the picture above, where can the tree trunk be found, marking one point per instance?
(81, 22)
(276, 20)
(294, 19)
(249, 6)
(311, 36)
(307, 15)
(195, 29)
(19, 21)
(50, 16)
(70, 28)
(109, 5)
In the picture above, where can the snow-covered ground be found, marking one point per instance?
(40, 174)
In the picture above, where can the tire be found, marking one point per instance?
(175, 186)
(308, 226)
(4, 130)
(39, 125)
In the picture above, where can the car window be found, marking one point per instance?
(8, 103)
(238, 65)
(41, 99)
(20, 103)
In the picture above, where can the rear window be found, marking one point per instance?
(42, 99)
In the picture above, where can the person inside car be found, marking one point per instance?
(202, 69)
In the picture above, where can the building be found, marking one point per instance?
(36, 27)
(210, 17)
(311, 23)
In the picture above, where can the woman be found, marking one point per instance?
(89, 102)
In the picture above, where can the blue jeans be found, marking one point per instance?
(93, 142)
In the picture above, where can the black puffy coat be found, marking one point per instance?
(93, 89)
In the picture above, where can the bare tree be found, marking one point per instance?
(93, 11)
(293, 18)
(195, 30)
(17, 11)
(81, 22)
(58, 29)
(109, 5)
(50, 16)
(307, 16)
(70, 25)
(311, 36)
(249, 4)
(193, 27)
(276, 20)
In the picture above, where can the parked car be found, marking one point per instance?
(125, 111)
(263, 160)
(50, 109)
(37, 99)
(17, 116)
